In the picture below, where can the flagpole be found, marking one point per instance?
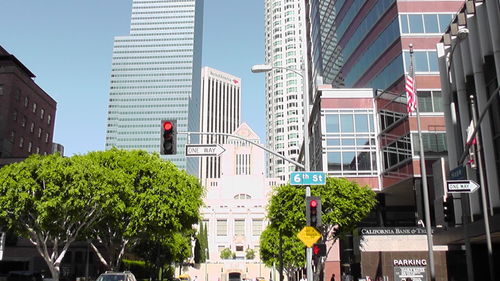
(423, 173)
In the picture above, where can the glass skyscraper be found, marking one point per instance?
(156, 76)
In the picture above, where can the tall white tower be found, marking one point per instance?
(156, 76)
(220, 113)
(284, 107)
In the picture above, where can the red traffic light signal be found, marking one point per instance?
(313, 211)
(168, 137)
(319, 249)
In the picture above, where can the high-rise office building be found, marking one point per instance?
(284, 107)
(220, 113)
(156, 76)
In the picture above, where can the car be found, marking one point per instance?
(116, 276)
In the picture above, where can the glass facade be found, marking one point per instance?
(156, 76)
(350, 142)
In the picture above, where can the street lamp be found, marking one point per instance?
(259, 68)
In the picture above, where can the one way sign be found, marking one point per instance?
(195, 150)
(462, 186)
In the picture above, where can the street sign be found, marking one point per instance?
(462, 186)
(309, 235)
(195, 150)
(307, 178)
(459, 173)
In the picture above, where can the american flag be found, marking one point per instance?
(411, 93)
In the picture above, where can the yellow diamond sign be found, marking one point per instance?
(309, 235)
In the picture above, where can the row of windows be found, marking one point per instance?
(34, 108)
(153, 68)
(379, 45)
(149, 81)
(148, 105)
(153, 39)
(239, 227)
(163, 28)
(152, 87)
(149, 93)
(21, 139)
(366, 25)
(424, 23)
(150, 63)
(189, 12)
(149, 112)
(151, 57)
(151, 99)
(161, 23)
(349, 123)
(349, 16)
(159, 6)
(177, 51)
(424, 61)
(146, 119)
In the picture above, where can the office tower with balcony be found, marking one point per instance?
(284, 107)
(156, 75)
(220, 113)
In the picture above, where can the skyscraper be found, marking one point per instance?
(220, 113)
(284, 107)
(156, 76)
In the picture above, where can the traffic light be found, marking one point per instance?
(168, 137)
(313, 211)
(318, 251)
(449, 210)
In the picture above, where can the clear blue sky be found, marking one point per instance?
(68, 45)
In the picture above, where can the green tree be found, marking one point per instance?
(51, 200)
(250, 254)
(154, 199)
(344, 205)
(226, 254)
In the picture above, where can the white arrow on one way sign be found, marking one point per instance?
(195, 150)
(462, 186)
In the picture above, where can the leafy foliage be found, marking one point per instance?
(226, 254)
(250, 254)
(344, 205)
(116, 198)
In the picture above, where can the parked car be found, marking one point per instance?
(24, 276)
(116, 276)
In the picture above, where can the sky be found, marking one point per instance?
(68, 45)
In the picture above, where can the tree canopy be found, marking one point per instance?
(113, 198)
(344, 205)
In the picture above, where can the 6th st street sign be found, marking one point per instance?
(462, 186)
(196, 150)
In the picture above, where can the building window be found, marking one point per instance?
(21, 142)
(424, 61)
(256, 227)
(221, 227)
(14, 115)
(26, 101)
(49, 119)
(46, 137)
(37, 150)
(39, 132)
(434, 143)
(350, 142)
(424, 23)
(34, 107)
(30, 146)
(42, 113)
(24, 121)
(1, 90)
(239, 227)
(430, 101)
(239, 248)
(32, 127)
(12, 136)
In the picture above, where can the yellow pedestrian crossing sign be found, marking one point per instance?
(309, 235)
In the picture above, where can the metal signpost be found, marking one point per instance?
(195, 150)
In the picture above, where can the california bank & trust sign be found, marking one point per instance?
(393, 231)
